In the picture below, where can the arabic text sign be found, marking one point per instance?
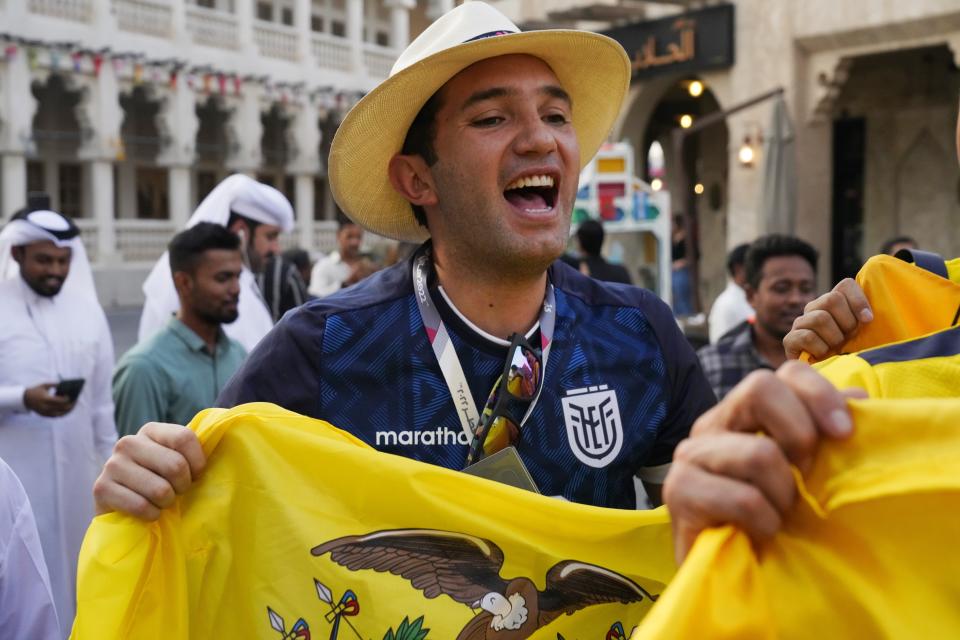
(694, 41)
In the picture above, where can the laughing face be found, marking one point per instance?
(507, 166)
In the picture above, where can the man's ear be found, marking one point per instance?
(182, 281)
(17, 253)
(751, 294)
(411, 178)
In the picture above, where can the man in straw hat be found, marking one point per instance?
(56, 413)
(481, 340)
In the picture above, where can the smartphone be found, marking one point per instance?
(70, 388)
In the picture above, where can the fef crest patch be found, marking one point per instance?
(594, 428)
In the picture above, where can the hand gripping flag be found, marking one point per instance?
(869, 551)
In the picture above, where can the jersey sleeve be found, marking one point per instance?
(690, 394)
(283, 369)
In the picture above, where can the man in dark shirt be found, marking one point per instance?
(590, 237)
(781, 273)
(281, 285)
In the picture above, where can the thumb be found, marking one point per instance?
(854, 393)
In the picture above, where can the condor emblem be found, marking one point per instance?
(594, 428)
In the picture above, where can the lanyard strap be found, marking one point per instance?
(443, 348)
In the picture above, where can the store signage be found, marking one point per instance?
(690, 42)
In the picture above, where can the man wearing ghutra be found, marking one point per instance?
(257, 213)
(54, 330)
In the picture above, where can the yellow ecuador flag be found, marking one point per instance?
(297, 530)
(869, 552)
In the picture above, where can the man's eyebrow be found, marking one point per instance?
(552, 90)
(486, 94)
(557, 92)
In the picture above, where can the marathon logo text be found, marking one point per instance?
(439, 437)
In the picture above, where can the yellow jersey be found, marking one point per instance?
(907, 301)
(868, 552)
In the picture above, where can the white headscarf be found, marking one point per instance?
(48, 226)
(243, 195)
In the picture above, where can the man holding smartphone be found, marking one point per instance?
(56, 411)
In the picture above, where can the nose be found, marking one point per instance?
(798, 298)
(58, 269)
(535, 137)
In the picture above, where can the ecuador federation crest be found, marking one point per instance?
(594, 429)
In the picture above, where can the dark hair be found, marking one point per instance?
(297, 257)
(888, 245)
(773, 246)
(250, 224)
(590, 236)
(737, 257)
(344, 221)
(419, 142)
(187, 247)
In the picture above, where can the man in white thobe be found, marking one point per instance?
(257, 213)
(53, 330)
(26, 603)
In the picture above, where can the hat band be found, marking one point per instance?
(490, 34)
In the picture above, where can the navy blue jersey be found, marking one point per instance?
(621, 388)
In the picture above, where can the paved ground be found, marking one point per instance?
(123, 325)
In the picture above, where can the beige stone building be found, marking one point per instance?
(128, 112)
(872, 88)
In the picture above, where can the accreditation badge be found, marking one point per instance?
(504, 466)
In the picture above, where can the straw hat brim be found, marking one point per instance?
(592, 68)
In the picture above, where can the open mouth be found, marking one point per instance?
(533, 194)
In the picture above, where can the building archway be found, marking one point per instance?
(141, 184)
(655, 110)
(213, 145)
(277, 149)
(58, 135)
(894, 165)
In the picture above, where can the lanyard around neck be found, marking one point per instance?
(443, 348)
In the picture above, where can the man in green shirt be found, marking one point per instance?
(181, 369)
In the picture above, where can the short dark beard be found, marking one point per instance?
(43, 291)
(217, 319)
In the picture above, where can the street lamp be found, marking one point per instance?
(695, 89)
(686, 121)
(746, 154)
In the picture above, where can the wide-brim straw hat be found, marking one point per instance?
(592, 68)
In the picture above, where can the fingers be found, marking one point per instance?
(147, 471)
(180, 439)
(793, 406)
(829, 321)
(110, 496)
(698, 499)
(725, 474)
(748, 458)
(53, 406)
(856, 299)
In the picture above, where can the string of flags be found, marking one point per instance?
(63, 56)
